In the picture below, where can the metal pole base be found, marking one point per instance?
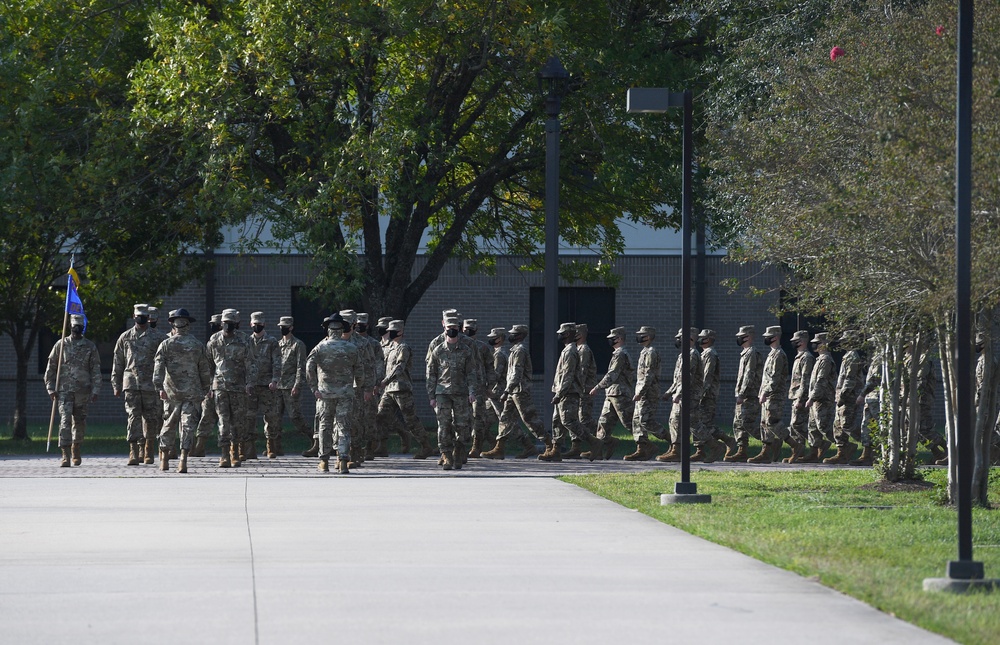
(962, 576)
(685, 493)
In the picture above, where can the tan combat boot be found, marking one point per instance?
(182, 464)
(867, 457)
(798, 451)
(234, 453)
(279, 448)
(271, 452)
(65, 457)
(313, 450)
(343, 467)
(674, 454)
(699, 453)
(425, 449)
(447, 462)
(497, 452)
(575, 450)
(459, 455)
(596, 452)
(764, 456)
(199, 447)
(75, 451)
(844, 454)
(324, 465)
(476, 451)
(528, 447)
(148, 455)
(164, 460)
(610, 443)
(224, 459)
(552, 452)
(714, 450)
(639, 454)
(740, 456)
(133, 454)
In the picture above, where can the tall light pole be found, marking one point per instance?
(659, 100)
(552, 80)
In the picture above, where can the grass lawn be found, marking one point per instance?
(832, 524)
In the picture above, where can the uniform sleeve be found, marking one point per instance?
(275, 362)
(159, 368)
(432, 376)
(746, 384)
(394, 367)
(118, 364)
(52, 367)
(95, 370)
(300, 365)
(614, 371)
(312, 378)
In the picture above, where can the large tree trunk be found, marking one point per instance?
(895, 362)
(913, 407)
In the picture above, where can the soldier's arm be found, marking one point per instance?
(251, 369)
(312, 377)
(95, 372)
(515, 365)
(52, 367)
(432, 377)
(275, 363)
(395, 368)
(205, 371)
(614, 371)
(118, 366)
(751, 366)
(159, 368)
(300, 365)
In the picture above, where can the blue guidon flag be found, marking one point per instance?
(74, 306)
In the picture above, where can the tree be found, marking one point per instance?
(330, 118)
(844, 174)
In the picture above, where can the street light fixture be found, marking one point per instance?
(551, 80)
(656, 100)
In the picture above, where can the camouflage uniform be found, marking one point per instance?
(158, 336)
(798, 392)
(451, 380)
(696, 377)
(746, 420)
(182, 371)
(332, 369)
(378, 434)
(397, 389)
(774, 385)
(79, 384)
(710, 386)
(647, 389)
(850, 383)
(566, 388)
(926, 385)
(822, 389)
(362, 426)
(292, 379)
(872, 404)
(132, 375)
(500, 358)
(484, 361)
(619, 388)
(267, 354)
(588, 375)
(209, 415)
(235, 372)
(518, 406)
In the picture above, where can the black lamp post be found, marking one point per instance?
(551, 80)
(659, 100)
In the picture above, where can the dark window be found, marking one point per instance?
(792, 321)
(594, 306)
(309, 315)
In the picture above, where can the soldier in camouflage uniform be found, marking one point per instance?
(715, 447)
(132, 374)
(397, 390)
(798, 394)
(696, 376)
(364, 388)
(235, 376)
(291, 381)
(850, 384)
(497, 340)
(484, 358)
(619, 387)
(377, 444)
(209, 421)
(567, 389)
(451, 387)
(646, 397)
(260, 401)
(926, 385)
(79, 383)
(772, 395)
(588, 373)
(332, 369)
(182, 375)
(159, 335)
(394, 423)
(746, 420)
(516, 400)
(821, 401)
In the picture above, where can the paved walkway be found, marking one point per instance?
(244, 559)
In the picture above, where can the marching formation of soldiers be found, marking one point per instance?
(177, 389)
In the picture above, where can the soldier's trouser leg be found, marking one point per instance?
(821, 422)
(368, 412)
(341, 432)
(675, 423)
(401, 403)
(209, 418)
(526, 410)
(158, 416)
(844, 422)
(479, 419)
(172, 419)
(267, 405)
(231, 407)
(706, 418)
(357, 429)
(293, 404)
(330, 432)
(798, 428)
(869, 418)
(142, 408)
(772, 429)
(566, 419)
(72, 416)
(617, 409)
(928, 433)
(493, 410)
(700, 431)
(644, 419)
(746, 420)
(586, 415)
(180, 416)
(253, 408)
(447, 427)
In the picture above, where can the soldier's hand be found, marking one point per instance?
(211, 394)
(368, 395)
(593, 391)
(52, 395)
(677, 399)
(763, 399)
(555, 399)
(273, 386)
(809, 403)
(93, 399)
(116, 392)
(740, 400)
(472, 398)
(635, 399)
(434, 403)
(861, 399)
(317, 394)
(250, 389)
(295, 391)
(163, 395)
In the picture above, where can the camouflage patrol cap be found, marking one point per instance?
(497, 332)
(363, 318)
(646, 330)
(154, 313)
(617, 332)
(852, 337)
(141, 309)
(820, 338)
(77, 319)
(179, 313)
(230, 315)
(470, 323)
(396, 325)
(980, 337)
(802, 335)
(216, 319)
(449, 313)
(772, 331)
(286, 321)
(257, 318)
(567, 328)
(452, 322)
(518, 329)
(706, 333)
(349, 316)
(582, 329)
(692, 333)
(746, 330)
(384, 321)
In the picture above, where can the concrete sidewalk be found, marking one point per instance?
(386, 560)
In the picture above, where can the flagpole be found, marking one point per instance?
(62, 350)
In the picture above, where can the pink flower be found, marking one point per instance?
(837, 52)
(939, 30)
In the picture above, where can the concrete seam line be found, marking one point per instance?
(253, 567)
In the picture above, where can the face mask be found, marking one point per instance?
(769, 341)
(362, 328)
(285, 330)
(179, 323)
(452, 333)
(814, 346)
(381, 331)
(258, 328)
(393, 334)
(640, 339)
(216, 327)
(77, 330)
(470, 332)
(152, 323)
(740, 340)
(612, 341)
(141, 320)
(703, 342)
(514, 340)
(677, 343)
(979, 347)
(229, 326)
